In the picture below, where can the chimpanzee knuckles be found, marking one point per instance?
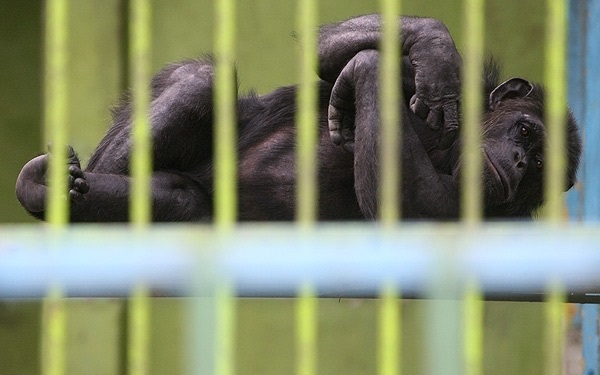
(513, 88)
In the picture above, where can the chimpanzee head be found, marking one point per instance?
(514, 148)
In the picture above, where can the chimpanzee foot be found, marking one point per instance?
(77, 182)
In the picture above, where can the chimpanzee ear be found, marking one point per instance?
(511, 89)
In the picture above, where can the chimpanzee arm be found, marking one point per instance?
(428, 47)
(426, 193)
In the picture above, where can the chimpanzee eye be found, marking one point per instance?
(539, 163)
(524, 130)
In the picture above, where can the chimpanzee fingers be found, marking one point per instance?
(340, 132)
(340, 109)
(418, 107)
(435, 119)
(450, 129)
(349, 146)
(432, 115)
(334, 123)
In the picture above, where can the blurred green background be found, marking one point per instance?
(266, 59)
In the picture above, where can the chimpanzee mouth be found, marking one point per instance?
(501, 185)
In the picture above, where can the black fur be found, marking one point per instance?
(182, 130)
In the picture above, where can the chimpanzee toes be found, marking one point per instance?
(76, 171)
(77, 182)
(81, 185)
(74, 194)
(72, 156)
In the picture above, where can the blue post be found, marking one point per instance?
(584, 97)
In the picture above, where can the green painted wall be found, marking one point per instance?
(266, 59)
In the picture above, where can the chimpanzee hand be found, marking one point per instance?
(355, 90)
(437, 65)
(430, 50)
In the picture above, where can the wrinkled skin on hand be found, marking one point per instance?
(430, 60)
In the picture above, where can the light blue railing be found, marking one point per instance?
(444, 262)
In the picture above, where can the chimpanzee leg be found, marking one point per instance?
(181, 116)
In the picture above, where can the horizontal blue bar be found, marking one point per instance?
(274, 260)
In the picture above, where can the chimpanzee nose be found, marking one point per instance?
(519, 158)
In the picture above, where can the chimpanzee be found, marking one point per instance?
(182, 129)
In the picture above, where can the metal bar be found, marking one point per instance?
(390, 331)
(54, 332)
(276, 259)
(471, 187)
(591, 156)
(555, 80)
(56, 108)
(225, 98)
(577, 93)
(390, 204)
(55, 129)
(391, 128)
(306, 331)
(584, 96)
(138, 344)
(473, 329)
(555, 332)
(591, 129)
(225, 197)
(306, 179)
(140, 204)
(589, 338)
(225, 335)
(140, 72)
(471, 191)
(306, 116)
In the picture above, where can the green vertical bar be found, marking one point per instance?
(555, 80)
(55, 129)
(306, 331)
(226, 119)
(140, 41)
(306, 116)
(555, 330)
(56, 102)
(225, 337)
(390, 329)
(473, 330)
(389, 98)
(139, 331)
(225, 103)
(471, 174)
(54, 335)
(139, 71)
